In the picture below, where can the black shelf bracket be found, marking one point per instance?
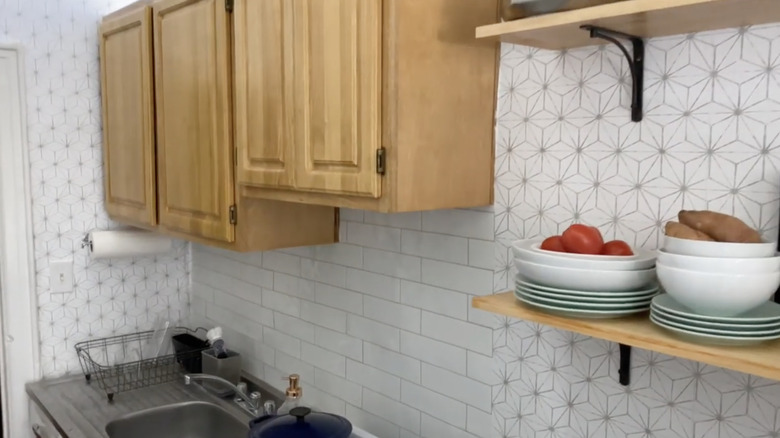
(625, 365)
(636, 63)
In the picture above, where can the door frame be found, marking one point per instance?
(18, 310)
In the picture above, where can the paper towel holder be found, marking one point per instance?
(86, 242)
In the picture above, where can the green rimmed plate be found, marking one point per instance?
(587, 298)
(769, 312)
(578, 313)
(521, 282)
(704, 338)
(581, 304)
(688, 325)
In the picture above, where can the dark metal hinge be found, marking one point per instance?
(229, 5)
(233, 212)
(381, 161)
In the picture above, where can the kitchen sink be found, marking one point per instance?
(181, 420)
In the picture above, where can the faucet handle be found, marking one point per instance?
(255, 396)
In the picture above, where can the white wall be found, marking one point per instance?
(380, 326)
(59, 38)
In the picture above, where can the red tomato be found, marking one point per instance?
(617, 247)
(553, 243)
(582, 239)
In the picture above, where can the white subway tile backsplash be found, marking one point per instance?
(292, 365)
(435, 299)
(483, 368)
(396, 315)
(282, 342)
(282, 303)
(246, 272)
(391, 362)
(294, 286)
(323, 401)
(340, 254)
(373, 331)
(324, 316)
(409, 221)
(225, 317)
(457, 386)
(478, 422)
(392, 264)
(435, 246)
(371, 423)
(294, 327)
(380, 286)
(457, 277)
(375, 379)
(433, 428)
(249, 310)
(339, 298)
(342, 388)
(464, 223)
(324, 359)
(435, 404)
(341, 343)
(282, 262)
(457, 332)
(215, 280)
(482, 254)
(374, 236)
(391, 410)
(434, 352)
(323, 272)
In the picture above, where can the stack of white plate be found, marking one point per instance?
(758, 325)
(584, 286)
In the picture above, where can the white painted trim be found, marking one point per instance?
(20, 351)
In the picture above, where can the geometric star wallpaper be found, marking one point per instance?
(60, 47)
(568, 152)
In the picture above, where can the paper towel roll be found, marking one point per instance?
(127, 243)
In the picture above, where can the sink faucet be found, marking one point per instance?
(251, 402)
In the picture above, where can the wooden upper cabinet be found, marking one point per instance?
(128, 116)
(402, 77)
(338, 59)
(193, 101)
(264, 99)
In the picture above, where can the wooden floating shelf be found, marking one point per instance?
(761, 360)
(643, 18)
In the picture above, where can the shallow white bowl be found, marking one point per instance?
(717, 294)
(720, 264)
(584, 279)
(718, 249)
(529, 250)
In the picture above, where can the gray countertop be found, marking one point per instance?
(81, 410)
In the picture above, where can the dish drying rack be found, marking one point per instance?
(96, 357)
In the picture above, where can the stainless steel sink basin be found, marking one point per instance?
(181, 420)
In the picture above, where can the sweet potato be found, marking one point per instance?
(676, 229)
(721, 227)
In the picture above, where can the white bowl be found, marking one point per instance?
(529, 250)
(718, 249)
(717, 294)
(584, 279)
(721, 265)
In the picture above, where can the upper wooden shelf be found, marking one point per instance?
(643, 18)
(761, 360)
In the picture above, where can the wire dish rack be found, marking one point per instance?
(118, 365)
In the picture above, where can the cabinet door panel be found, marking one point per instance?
(263, 57)
(128, 117)
(338, 95)
(194, 142)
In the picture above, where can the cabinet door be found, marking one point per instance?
(263, 59)
(128, 117)
(338, 55)
(194, 141)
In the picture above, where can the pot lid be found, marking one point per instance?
(303, 423)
